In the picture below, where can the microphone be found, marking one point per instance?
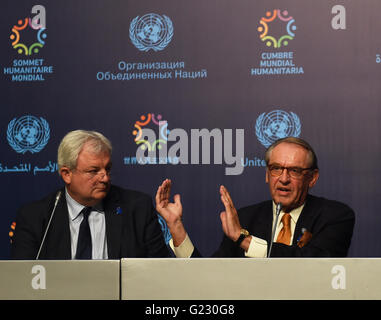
(58, 196)
(277, 213)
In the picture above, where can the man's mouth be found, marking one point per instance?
(283, 191)
(102, 189)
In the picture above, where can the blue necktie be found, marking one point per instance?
(84, 245)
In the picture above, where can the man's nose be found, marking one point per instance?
(104, 176)
(285, 176)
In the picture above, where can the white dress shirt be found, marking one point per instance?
(97, 223)
(258, 246)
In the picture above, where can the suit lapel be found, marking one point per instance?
(114, 223)
(305, 220)
(59, 245)
(268, 219)
(261, 221)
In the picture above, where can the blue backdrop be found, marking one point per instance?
(271, 68)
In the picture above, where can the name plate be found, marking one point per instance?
(60, 280)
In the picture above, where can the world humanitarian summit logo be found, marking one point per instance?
(140, 125)
(275, 125)
(36, 36)
(151, 31)
(28, 133)
(277, 38)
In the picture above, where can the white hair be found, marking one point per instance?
(73, 142)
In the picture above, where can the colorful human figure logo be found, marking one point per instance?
(144, 121)
(288, 32)
(38, 39)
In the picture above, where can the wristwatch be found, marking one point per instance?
(242, 236)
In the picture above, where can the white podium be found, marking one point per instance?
(251, 279)
(60, 280)
(192, 279)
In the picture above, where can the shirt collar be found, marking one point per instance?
(75, 208)
(295, 213)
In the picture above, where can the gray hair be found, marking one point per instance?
(73, 142)
(298, 141)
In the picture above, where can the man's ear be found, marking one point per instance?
(66, 174)
(267, 175)
(314, 178)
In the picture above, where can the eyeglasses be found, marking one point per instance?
(92, 173)
(293, 172)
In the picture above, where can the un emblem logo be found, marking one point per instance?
(151, 31)
(275, 125)
(28, 133)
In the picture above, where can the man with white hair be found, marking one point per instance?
(92, 219)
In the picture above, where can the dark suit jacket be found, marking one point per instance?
(330, 222)
(131, 231)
